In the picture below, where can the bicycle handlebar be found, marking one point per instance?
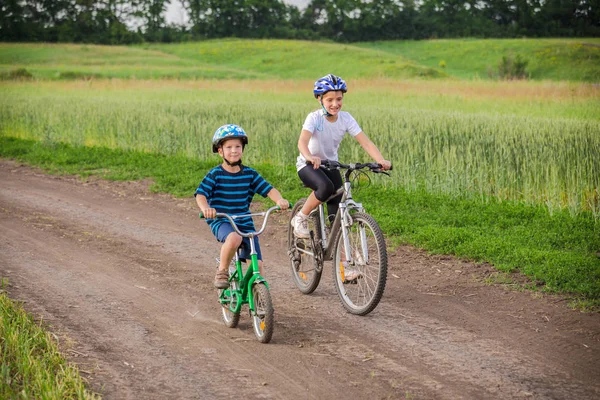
(231, 219)
(373, 167)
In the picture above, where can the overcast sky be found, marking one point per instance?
(176, 13)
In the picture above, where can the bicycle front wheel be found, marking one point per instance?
(263, 317)
(360, 281)
(306, 254)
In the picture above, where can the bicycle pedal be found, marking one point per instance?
(259, 314)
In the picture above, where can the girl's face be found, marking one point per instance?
(332, 101)
(231, 150)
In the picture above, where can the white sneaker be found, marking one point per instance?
(349, 275)
(300, 226)
(352, 275)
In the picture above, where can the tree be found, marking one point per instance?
(152, 13)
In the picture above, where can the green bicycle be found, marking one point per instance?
(248, 288)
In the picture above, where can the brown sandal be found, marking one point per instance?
(222, 280)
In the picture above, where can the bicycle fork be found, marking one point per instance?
(346, 221)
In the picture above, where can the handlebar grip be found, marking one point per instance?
(290, 205)
(201, 216)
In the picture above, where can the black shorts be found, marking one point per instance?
(324, 183)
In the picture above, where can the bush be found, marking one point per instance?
(20, 74)
(512, 68)
(75, 75)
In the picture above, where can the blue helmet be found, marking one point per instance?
(229, 131)
(329, 83)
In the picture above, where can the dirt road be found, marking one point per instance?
(124, 278)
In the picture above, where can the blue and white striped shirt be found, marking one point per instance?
(232, 193)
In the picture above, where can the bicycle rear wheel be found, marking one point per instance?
(360, 283)
(307, 264)
(263, 318)
(228, 299)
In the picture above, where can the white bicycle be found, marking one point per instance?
(353, 241)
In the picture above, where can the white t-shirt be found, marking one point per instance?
(327, 136)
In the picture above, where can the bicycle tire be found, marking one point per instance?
(263, 317)
(360, 296)
(230, 318)
(306, 271)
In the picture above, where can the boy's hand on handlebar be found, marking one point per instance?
(208, 212)
(283, 204)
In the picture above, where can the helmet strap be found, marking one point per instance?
(325, 112)
(233, 164)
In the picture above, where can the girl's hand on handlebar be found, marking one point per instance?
(385, 164)
(208, 212)
(283, 204)
(316, 162)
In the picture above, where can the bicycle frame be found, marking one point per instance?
(252, 276)
(342, 220)
(243, 294)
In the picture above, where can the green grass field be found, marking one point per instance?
(549, 59)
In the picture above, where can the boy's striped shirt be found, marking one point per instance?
(232, 193)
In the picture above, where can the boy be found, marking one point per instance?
(321, 135)
(229, 188)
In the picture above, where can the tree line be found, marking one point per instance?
(136, 21)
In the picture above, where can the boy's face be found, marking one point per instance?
(332, 101)
(231, 150)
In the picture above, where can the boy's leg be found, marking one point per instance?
(260, 268)
(228, 250)
(231, 242)
(245, 253)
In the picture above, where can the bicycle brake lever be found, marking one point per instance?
(380, 171)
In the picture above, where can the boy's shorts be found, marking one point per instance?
(225, 229)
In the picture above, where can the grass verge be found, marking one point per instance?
(31, 366)
(560, 253)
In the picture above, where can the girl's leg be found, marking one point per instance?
(334, 204)
(323, 183)
(311, 203)
(323, 187)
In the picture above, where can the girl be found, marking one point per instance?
(321, 135)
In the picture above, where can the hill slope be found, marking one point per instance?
(548, 59)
